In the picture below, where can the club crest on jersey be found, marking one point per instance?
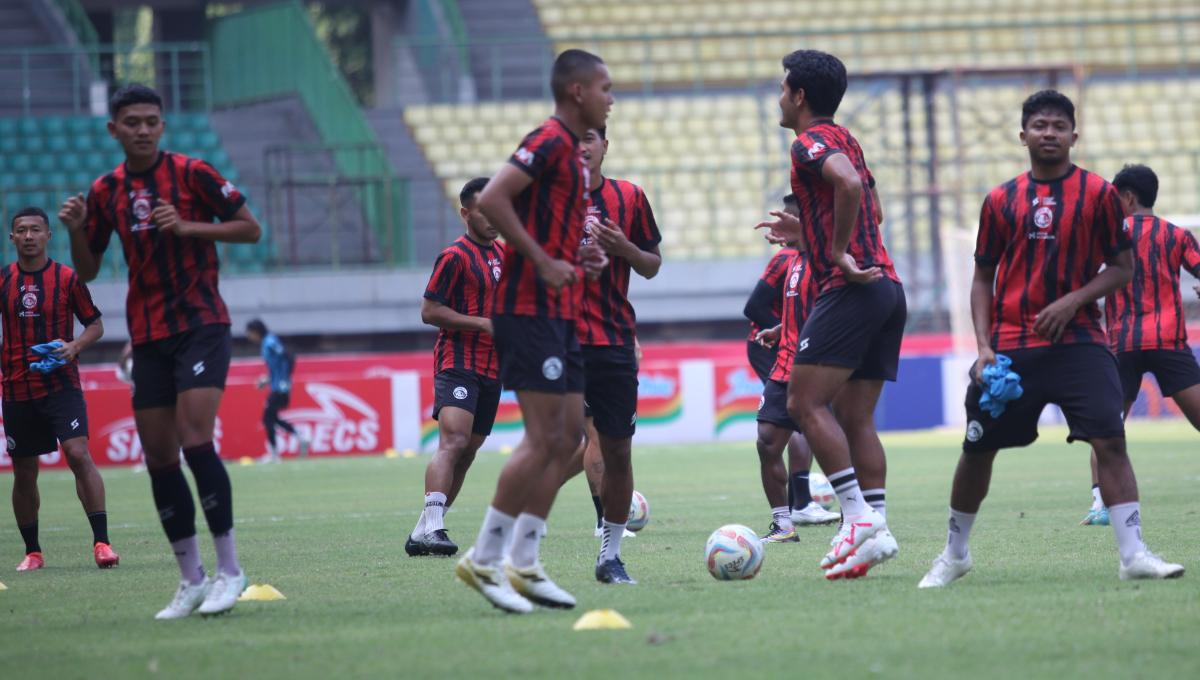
(142, 205)
(495, 265)
(590, 220)
(29, 300)
(1043, 217)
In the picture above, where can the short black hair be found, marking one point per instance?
(571, 66)
(29, 211)
(133, 93)
(256, 326)
(822, 76)
(790, 200)
(1141, 180)
(602, 132)
(1047, 101)
(470, 189)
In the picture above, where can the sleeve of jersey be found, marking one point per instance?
(536, 152)
(810, 151)
(645, 228)
(1191, 254)
(760, 306)
(991, 239)
(97, 226)
(216, 193)
(446, 272)
(82, 305)
(1110, 223)
(773, 276)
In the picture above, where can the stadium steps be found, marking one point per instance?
(51, 84)
(521, 62)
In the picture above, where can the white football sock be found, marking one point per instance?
(610, 543)
(845, 485)
(958, 534)
(435, 509)
(493, 534)
(1126, 520)
(783, 517)
(876, 498)
(527, 536)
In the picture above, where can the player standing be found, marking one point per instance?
(280, 365)
(619, 220)
(458, 300)
(1043, 237)
(1146, 324)
(850, 343)
(162, 205)
(44, 408)
(537, 203)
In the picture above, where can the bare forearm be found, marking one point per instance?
(846, 201)
(645, 263)
(233, 231)
(446, 318)
(86, 263)
(1114, 277)
(981, 311)
(91, 333)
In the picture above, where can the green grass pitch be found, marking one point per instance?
(1044, 599)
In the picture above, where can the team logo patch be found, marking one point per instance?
(974, 431)
(633, 418)
(552, 368)
(460, 393)
(815, 150)
(227, 189)
(1042, 217)
(496, 273)
(12, 443)
(29, 301)
(198, 368)
(803, 345)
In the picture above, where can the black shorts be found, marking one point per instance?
(857, 327)
(762, 359)
(277, 401)
(1081, 378)
(469, 391)
(188, 360)
(36, 426)
(1174, 369)
(611, 389)
(538, 354)
(772, 406)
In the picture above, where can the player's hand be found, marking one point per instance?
(987, 357)
(73, 212)
(1052, 321)
(68, 352)
(166, 218)
(593, 260)
(855, 275)
(556, 273)
(768, 337)
(612, 239)
(485, 326)
(785, 228)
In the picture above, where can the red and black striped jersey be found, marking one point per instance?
(814, 198)
(40, 306)
(464, 279)
(799, 293)
(606, 317)
(1047, 238)
(172, 279)
(1148, 313)
(773, 276)
(552, 209)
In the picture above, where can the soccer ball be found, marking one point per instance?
(821, 490)
(733, 553)
(639, 512)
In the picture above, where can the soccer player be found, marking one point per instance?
(1042, 239)
(162, 206)
(1146, 324)
(458, 300)
(619, 220)
(41, 299)
(280, 364)
(850, 343)
(537, 203)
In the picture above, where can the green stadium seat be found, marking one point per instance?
(182, 141)
(99, 125)
(59, 181)
(82, 180)
(208, 141)
(53, 125)
(8, 127)
(58, 143)
(44, 163)
(9, 179)
(9, 143)
(79, 125)
(33, 144)
(28, 127)
(20, 163)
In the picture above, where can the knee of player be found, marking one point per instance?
(77, 455)
(1109, 449)
(455, 443)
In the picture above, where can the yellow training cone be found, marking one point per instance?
(245, 460)
(3, 587)
(261, 593)
(602, 619)
(409, 453)
(391, 453)
(507, 450)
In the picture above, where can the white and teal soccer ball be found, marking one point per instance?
(821, 490)
(733, 553)
(639, 512)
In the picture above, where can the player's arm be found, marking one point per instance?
(759, 305)
(769, 337)
(241, 228)
(982, 296)
(1117, 273)
(437, 314)
(878, 205)
(496, 204)
(610, 237)
(73, 214)
(847, 199)
(92, 332)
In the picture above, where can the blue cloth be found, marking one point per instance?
(50, 361)
(1000, 386)
(279, 364)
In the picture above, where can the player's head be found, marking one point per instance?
(29, 231)
(477, 224)
(256, 330)
(580, 79)
(813, 82)
(137, 120)
(594, 148)
(1138, 186)
(792, 207)
(1048, 127)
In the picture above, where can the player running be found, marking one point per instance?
(458, 300)
(162, 206)
(280, 365)
(1146, 324)
(620, 221)
(850, 343)
(43, 401)
(537, 203)
(1042, 239)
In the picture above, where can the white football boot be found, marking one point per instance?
(186, 599)
(599, 533)
(492, 583)
(946, 570)
(223, 593)
(813, 514)
(1147, 565)
(878, 549)
(534, 585)
(854, 532)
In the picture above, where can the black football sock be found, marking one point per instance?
(287, 427)
(173, 498)
(212, 484)
(29, 532)
(599, 511)
(99, 522)
(798, 491)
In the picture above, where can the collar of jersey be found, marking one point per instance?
(34, 271)
(157, 162)
(1060, 178)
